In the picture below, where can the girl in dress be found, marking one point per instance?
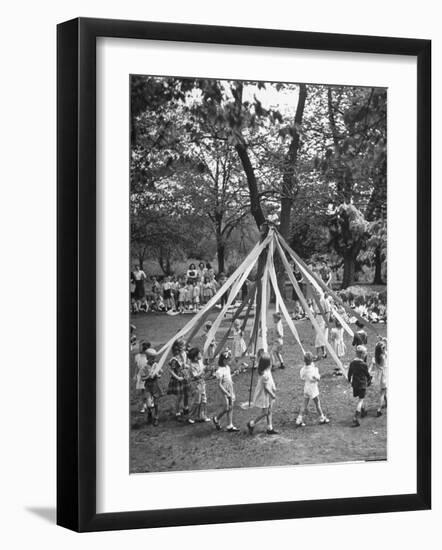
(150, 377)
(239, 346)
(226, 394)
(197, 386)
(182, 297)
(337, 338)
(138, 277)
(140, 363)
(322, 336)
(207, 291)
(378, 370)
(209, 356)
(178, 383)
(167, 294)
(192, 274)
(265, 394)
(196, 295)
(310, 374)
(189, 296)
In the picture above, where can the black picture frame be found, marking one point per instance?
(76, 272)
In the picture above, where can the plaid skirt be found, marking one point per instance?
(178, 387)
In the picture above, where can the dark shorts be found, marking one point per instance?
(359, 392)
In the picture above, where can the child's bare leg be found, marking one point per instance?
(259, 417)
(230, 416)
(358, 412)
(269, 418)
(221, 414)
(381, 402)
(302, 412)
(178, 405)
(318, 406)
(323, 419)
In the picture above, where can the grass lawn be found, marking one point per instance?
(177, 446)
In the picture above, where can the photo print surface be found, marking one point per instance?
(258, 271)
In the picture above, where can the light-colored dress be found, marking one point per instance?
(141, 363)
(197, 382)
(337, 337)
(322, 338)
(379, 373)
(310, 374)
(224, 376)
(261, 397)
(239, 346)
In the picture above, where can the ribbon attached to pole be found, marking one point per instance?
(307, 309)
(289, 321)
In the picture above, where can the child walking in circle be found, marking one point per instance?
(150, 377)
(378, 370)
(178, 383)
(140, 363)
(209, 355)
(360, 379)
(278, 341)
(265, 394)
(197, 386)
(239, 345)
(310, 374)
(360, 336)
(226, 393)
(337, 339)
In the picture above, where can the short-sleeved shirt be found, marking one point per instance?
(310, 374)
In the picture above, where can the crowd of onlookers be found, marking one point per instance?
(190, 291)
(175, 293)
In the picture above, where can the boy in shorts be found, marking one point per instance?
(360, 379)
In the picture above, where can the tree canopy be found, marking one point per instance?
(210, 159)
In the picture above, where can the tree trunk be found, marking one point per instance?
(288, 179)
(255, 203)
(220, 252)
(241, 149)
(377, 280)
(349, 270)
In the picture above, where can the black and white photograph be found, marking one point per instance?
(258, 274)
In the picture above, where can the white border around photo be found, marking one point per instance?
(117, 490)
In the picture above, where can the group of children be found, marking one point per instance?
(190, 368)
(178, 294)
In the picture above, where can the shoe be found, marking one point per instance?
(232, 429)
(324, 420)
(250, 428)
(299, 423)
(217, 424)
(379, 413)
(282, 366)
(272, 432)
(190, 421)
(355, 423)
(205, 419)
